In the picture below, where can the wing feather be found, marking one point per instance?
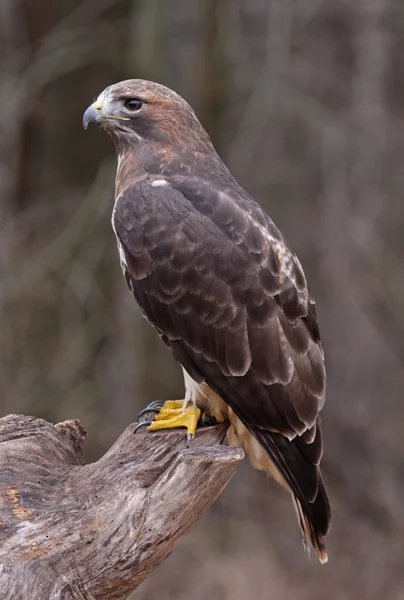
(216, 278)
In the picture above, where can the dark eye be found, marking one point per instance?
(132, 104)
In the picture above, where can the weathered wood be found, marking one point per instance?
(70, 530)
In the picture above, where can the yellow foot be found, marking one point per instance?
(173, 414)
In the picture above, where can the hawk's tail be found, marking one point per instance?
(312, 528)
(301, 475)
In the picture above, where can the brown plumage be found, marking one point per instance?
(215, 277)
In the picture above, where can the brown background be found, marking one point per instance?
(304, 100)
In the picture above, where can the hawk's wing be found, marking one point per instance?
(214, 275)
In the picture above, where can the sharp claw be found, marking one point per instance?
(190, 437)
(142, 424)
(149, 409)
(153, 407)
(156, 404)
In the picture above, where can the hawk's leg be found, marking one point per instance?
(185, 413)
(172, 414)
(176, 413)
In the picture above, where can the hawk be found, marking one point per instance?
(217, 280)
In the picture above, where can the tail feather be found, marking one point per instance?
(311, 529)
(303, 478)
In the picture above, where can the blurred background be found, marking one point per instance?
(304, 101)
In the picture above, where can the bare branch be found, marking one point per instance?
(70, 530)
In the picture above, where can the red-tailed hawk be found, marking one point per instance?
(213, 274)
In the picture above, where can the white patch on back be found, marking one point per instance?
(160, 183)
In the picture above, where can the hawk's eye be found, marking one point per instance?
(132, 104)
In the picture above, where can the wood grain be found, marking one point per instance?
(74, 531)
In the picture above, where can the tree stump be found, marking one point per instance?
(74, 531)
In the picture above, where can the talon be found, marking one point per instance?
(153, 407)
(147, 410)
(173, 414)
(142, 424)
(190, 437)
(156, 404)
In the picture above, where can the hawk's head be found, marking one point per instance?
(135, 110)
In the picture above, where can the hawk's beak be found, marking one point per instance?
(93, 114)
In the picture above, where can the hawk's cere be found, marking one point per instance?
(213, 274)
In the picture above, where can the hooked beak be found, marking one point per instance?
(93, 114)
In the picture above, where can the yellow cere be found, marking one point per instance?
(98, 104)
